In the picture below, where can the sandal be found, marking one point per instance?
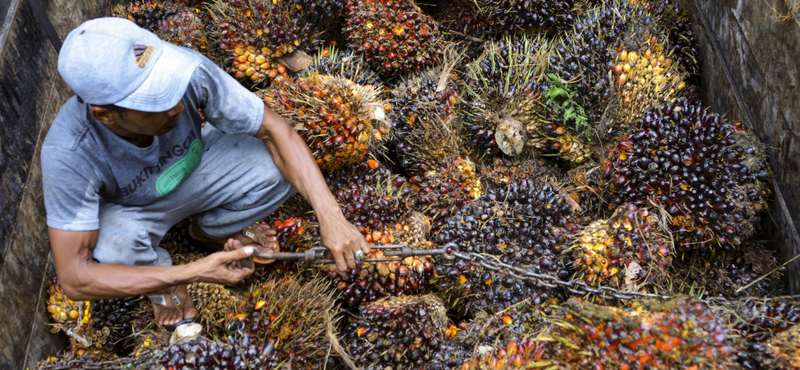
(214, 244)
(164, 300)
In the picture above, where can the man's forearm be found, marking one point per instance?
(105, 281)
(297, 164)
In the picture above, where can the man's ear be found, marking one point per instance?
(104, 115)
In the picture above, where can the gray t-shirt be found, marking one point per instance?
(83, 161)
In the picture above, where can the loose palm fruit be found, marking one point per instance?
(394, 37)
(502, 172)
(337, 118)
(759, 319)
(625, 251)
(708, 173)
(397, 332)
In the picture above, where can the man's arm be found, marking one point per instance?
(84, 279)
(295, 161)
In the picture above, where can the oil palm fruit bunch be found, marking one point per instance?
(507, 111)
(253, 34)
(625, 251)
(518, 16)
(730, 273)
(394, 36)
(373, 280)
(397, 332)
(370, 196)
(644, 76)
(707, 172)
(759, 319)
(290, 315)
(212, 301)
(173, 22)
(340, 120)
(440, 192)
(680, 333)
(343, 63)
(581, 61)
(71, 317)
(114, 319)
(229, 352)
(424, 115)
(522, 225)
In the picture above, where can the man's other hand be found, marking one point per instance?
(343, 240)
(225, 267)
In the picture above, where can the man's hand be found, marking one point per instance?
(224, 267)
(297, 164)
(343, 240)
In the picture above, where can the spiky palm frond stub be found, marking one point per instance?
(394, 36)
(625, 251)
(343, 63)
(522, 224)
(290, 315)
(340, 120)
(397, 332)
(708, 173)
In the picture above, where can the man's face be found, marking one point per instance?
(148, 123)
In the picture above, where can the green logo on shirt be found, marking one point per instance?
(175, 174)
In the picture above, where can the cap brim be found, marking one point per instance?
(167, 82)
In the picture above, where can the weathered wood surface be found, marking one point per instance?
(750, 52)
(31, 93)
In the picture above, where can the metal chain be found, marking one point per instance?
(572, 286)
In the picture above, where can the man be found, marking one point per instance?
(127, 158)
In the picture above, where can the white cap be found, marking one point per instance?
(114, 61)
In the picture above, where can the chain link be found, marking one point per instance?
(572, 286)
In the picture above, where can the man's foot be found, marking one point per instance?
(172, 305)
(257, 235)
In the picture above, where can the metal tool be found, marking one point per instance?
(394, 252)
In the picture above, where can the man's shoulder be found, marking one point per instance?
(69, 126)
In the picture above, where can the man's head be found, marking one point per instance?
(111, 62)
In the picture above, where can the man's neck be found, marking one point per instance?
(142, 141)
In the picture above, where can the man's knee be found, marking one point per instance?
(125, 239)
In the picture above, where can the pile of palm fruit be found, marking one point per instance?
(563, 140)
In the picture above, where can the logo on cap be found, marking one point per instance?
(142, 54)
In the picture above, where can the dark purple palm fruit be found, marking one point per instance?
(708, 173)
